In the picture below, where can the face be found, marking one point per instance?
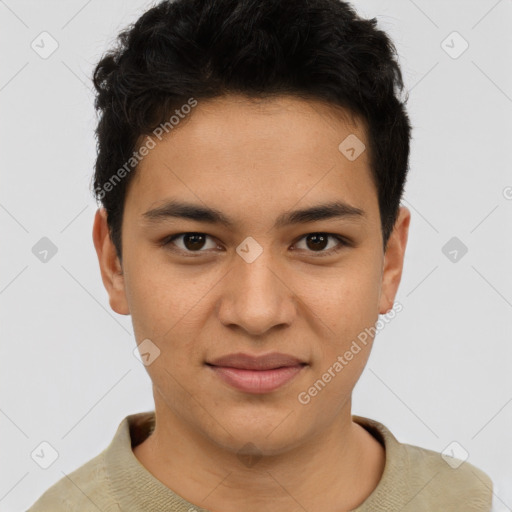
(237, 273)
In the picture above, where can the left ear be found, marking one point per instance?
(394, 260)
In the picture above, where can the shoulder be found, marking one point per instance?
(421, 480)
(84, 490)
(447, 481)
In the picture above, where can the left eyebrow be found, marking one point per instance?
(184, 210)
(327, 211)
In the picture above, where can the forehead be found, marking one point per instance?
(258, 155)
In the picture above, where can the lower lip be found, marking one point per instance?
(257, 381)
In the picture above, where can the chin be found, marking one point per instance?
(273, 434)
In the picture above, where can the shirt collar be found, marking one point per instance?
(134, 487)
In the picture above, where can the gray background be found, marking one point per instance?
(438, 373)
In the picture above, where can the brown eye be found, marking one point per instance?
(317, 243)
(190, 242)
(193, 241)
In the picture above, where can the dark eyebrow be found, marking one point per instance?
(179, 209)
(336, 209)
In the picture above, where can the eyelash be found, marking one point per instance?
(343, 242)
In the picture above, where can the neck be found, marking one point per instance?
(335, 470)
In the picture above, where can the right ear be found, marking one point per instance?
(110, 266)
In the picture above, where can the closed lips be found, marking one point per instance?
(250, 362)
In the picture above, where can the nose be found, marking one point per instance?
(257, 296)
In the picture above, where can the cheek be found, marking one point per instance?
(347, 301)
(157, 296)
(168, 309)
(153, 301)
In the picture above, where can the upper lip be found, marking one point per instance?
(248, 362)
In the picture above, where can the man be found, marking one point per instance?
(251, 161)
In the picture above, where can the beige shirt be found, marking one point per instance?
(414, 480)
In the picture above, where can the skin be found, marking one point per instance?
(254, 160)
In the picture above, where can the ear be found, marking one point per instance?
(394, 260)
(110, 266)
